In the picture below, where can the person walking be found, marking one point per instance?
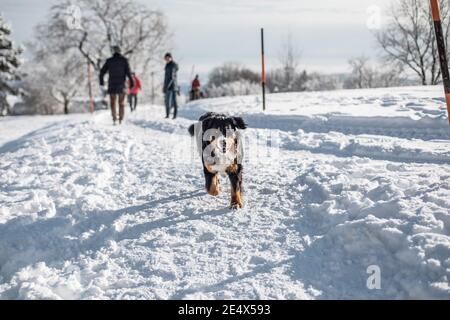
(118, 69)
(133, 92)
(170, 87)
(196, 88)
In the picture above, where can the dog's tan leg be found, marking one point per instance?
(236, 199)
(235, 174)
(213, 189)
(209, 168)
(211, 182)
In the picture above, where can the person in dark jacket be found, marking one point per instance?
(119, 69)
(170, 85)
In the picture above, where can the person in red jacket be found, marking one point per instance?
(133, 92)
(196, 88)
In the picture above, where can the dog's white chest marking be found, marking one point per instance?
(213, 156)
(220, 168)
(221, 161)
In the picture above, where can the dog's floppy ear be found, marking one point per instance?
(239, 123)
(192, 130)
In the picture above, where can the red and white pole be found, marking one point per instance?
(91, 98)
(436, 13)
(263, 73)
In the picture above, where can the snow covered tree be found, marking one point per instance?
(93, 27)
(231, 72)
(232, 79)
(142, 33)
(9, 63)
(234, 88)
(323, 82)
(277, 81)
(53, 80)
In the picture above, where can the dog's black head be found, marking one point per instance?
(220, 122)
(220, 134)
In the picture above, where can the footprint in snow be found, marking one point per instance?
(208, 236)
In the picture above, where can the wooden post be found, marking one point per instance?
(435, 12)
(153, 88)
(263, 73)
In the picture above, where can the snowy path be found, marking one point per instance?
(91, 211)
(13, 128)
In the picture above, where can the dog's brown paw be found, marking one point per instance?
(214, 192)
(236, 206)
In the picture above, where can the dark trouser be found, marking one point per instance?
(171, 102)
(114, 98)
(197, 94)
(133, 101)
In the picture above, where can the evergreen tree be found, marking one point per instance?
(9, 63)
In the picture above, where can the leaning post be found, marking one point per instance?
(436, 14)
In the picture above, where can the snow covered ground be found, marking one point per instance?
(352, 179)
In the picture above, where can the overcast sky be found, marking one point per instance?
(210, 32)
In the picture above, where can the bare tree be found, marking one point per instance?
(366, 75)
(141, 33)
(361, 75)
(359, 70)
(289, 58)
(408, 38)
(392, 76)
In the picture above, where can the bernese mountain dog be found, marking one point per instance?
(220, 145)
